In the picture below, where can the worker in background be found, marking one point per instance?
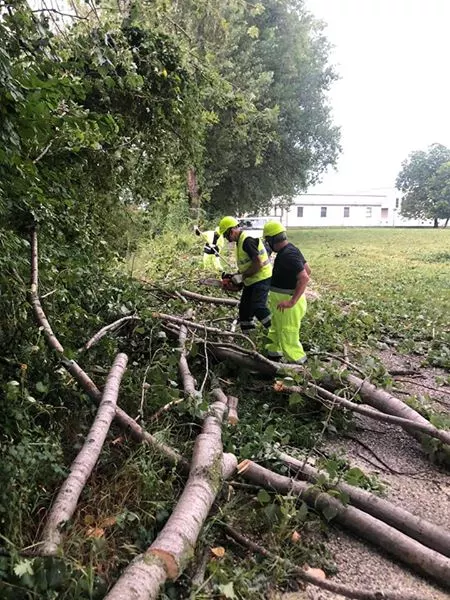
(287, 301)
(254, 273)
(211, 250)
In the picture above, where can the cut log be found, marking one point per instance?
(409, 551)
(174, 546)
(425, 532)
(81, 468)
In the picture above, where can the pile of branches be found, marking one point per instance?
(416, 542)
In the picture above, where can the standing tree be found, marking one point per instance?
(425, 181)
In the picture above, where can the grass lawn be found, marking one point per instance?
(393, 283)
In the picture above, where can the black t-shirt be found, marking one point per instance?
(289, 262)
(250, 246)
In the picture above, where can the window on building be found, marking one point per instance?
(384, 213)
(346, 211)
(300, 211)
(323, 211)
(397, 202)
(368, 212)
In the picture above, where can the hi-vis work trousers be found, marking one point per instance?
(285, 328)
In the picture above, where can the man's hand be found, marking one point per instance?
(237, 279)
(285, 304)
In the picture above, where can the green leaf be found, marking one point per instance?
(263, 497)
(295, 398)
(24, 567)
(227, 589)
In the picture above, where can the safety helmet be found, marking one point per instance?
(226, 223)
(272, 228)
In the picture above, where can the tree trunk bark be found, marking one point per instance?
(435, 223)
(81, 468)
(423, 531)
(417, 429)
(394, 542)
(211, 299)
(33, 296)
(174, 546)
(112, 327)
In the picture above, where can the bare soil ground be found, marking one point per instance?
(411, 481)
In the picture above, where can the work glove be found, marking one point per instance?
(237, 279)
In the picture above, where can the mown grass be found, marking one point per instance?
(398, 280)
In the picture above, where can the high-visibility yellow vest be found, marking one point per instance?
(244, 261)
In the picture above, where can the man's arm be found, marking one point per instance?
(302, 282)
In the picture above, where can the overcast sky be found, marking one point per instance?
(393, 97)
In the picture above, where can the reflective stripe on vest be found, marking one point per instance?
(244, 261)
(281, 290)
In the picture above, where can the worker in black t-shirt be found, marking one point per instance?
(254, 273)
(287, 301)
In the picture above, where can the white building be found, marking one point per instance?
(346, 210)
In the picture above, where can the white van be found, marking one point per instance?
(255, 225)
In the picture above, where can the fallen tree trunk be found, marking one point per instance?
(414, 424)
(211, 299)
(185, 373)
(324, 584)
(407, 424)
(33, 297)
(81, 468)
(409, 551)
(175, 544)
(423, 531)
(193, 324)
(107, 329)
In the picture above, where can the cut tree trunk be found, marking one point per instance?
(174, 546)
(409, 551)
(377, 398)
(425, 532)
(81, 468)
(408, 425)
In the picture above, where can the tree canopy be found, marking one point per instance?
(425, 181)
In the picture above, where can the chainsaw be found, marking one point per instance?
(224, 283)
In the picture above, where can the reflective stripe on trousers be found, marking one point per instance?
(285, 328)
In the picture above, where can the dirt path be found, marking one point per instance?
(412, 482)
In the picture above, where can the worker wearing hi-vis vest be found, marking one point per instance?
(254, 273)
(211, 250)
(287, 301)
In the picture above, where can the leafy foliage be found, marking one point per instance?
(425, 181)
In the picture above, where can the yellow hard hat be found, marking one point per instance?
(272, 228)
(226, 223)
